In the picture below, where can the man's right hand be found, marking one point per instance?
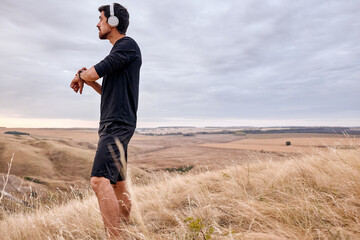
(81, 70)
(89, 83)
(78, 84)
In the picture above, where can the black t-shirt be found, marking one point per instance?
(120, 86)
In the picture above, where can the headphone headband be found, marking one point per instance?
(113, 20)
(112, 10)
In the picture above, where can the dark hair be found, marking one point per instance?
(121, 13)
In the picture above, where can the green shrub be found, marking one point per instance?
(180, 169)
(198, 230)
(16, 133)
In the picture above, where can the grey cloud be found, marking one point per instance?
(211, 59)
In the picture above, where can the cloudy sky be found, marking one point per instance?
(205, 62)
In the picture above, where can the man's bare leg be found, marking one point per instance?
(123, 197)
(108, 204)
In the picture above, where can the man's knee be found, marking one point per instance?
(97, 183)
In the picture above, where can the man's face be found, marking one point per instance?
(103, 26)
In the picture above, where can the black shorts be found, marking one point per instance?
(107, 158)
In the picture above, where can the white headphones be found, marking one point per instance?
(112, 20)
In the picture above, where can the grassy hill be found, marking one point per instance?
(55, 163)
(306, 197)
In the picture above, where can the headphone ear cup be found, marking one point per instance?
(113, 21)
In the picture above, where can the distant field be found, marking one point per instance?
(299, 144)
(58, 158)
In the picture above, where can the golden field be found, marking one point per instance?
(240, 187)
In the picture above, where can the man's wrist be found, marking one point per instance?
(80, 76)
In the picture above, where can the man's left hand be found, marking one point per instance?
(77, 84)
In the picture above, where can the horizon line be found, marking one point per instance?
(17, 122)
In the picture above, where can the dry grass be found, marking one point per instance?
(309, 197)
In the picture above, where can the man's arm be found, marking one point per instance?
(89, 76)
(115, 60)
(96, 86)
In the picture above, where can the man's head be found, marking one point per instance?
(120, 12)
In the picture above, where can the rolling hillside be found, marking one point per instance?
(308, 197)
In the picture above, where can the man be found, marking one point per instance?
(119, 101)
